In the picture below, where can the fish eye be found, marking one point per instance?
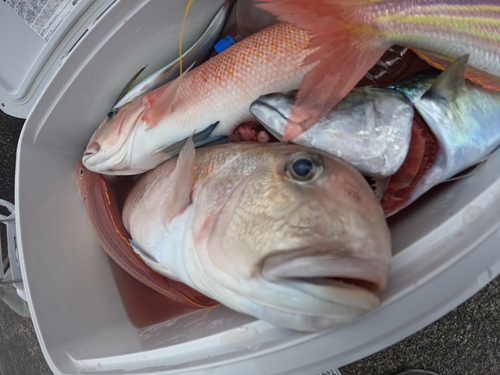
(304, 167)
(81, 171)
(112, 113)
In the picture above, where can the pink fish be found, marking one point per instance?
(280, 232)
(212, 100)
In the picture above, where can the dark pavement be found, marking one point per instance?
(465, 341)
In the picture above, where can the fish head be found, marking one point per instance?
(370, 128)
(301, 241)
(272, 110)
(108, 151)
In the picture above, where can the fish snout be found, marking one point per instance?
(271, 114)
(92, 149)
(327, 270)
(89, 158)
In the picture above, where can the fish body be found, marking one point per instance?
(350, 37)
(280, 232)
(370, 128)
(463, 117)
(105, 219)
(197, 54)
(145, 132)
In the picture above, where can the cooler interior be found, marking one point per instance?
(91, 317)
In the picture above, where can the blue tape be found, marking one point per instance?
(224, 44)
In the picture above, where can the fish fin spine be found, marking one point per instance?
(347, 44)
(152, 262)
(129, 86)
(482, 78)
(182, 184)
(450, 82)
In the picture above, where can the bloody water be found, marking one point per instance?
(143, 305)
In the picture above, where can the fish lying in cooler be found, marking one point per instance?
(454, 127)
(350, 36)
(280, 232)
(370, 128)
(106, 221)
(212, 100)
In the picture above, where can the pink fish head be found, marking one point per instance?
(111, 143)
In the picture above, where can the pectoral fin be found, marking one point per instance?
(199, 139)
(450, 83)
(152, 263)
(183, 177)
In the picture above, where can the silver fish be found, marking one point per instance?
(279, 232)
(196, 55)
(462, 116)
(370, 128)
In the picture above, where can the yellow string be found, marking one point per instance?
(180, 42)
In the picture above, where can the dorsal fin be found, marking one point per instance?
(450, 82)
(487, 80)
(180, 198)
(127, 88)
(163, 105)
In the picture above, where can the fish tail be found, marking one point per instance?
(347, 44)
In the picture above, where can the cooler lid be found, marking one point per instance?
(35, 38)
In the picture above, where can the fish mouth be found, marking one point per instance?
(90, 152)
(270, 116)
(327, 270)
(115, 159)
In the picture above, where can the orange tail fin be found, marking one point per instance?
(346, 48)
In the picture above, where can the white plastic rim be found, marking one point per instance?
(445, 245)
(35, 62)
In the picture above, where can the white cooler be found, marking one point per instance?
(65, 71)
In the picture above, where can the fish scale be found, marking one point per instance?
(255, 65)
(218, 91)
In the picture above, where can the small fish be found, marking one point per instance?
(212, 101)
(370, 128)
(106, 221)
(197, 54)
(278, 231)
(457, 127)
(350, 36)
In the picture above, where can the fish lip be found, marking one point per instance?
(260, 101)
(95, 160)
(258, 109)
(327, 268)
(85, 159)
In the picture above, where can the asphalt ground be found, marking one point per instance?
(465, 341)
